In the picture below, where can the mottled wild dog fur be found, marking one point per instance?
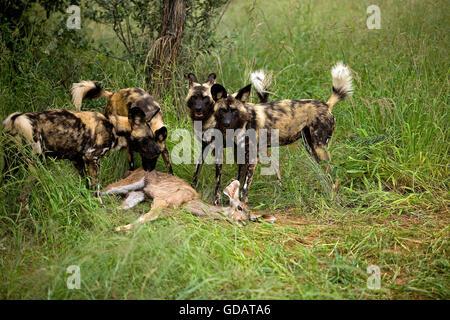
(201, 107)
(199, 99)
(121, 103)
(169, 191)
(82, 137)
(293, 118)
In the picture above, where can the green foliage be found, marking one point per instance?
(136, 23)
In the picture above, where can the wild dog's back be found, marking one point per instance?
(290, 116)
(66, 134)
(123, 100)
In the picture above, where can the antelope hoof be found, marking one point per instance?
(269, 218)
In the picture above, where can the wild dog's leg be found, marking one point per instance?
(324, 155)
(278, 171)
(319, 153)
(132, 199)
(242, 169)
(153, 214)
(93, 172)
(250, 169)
(166, 158)
(80, 165)
(249, 173)
(218, 180)
(248, 182)
(130, 157)
(199, 164)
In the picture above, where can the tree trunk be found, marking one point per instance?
(165, 48)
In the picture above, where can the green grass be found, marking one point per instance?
(390, 149)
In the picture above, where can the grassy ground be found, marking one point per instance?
(390, 148)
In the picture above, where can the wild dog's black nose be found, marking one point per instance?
(226, 121)
(198, 108)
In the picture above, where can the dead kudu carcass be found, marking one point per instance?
(121, 103)
(294, 119)
(201, 108)
(168, 191)
(82, 137)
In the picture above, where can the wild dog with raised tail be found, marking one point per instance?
(293, 118)
(201, 107)
(120, 103)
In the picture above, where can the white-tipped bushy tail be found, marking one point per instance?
(87, 90)
(261, 82)
(342, 84)
(7, 123)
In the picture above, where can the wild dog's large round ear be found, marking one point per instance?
(136, 117)
(211, 79)
(149, 111)
(192, 79)
(218, 92)
(244, 93)
(161, 134)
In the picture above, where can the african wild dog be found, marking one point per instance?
(201, 106)
(82, 137)
(120, 103)
(293, 118)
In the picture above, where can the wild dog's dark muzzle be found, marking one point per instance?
(198, 107)
(146, 147)
(226, 122)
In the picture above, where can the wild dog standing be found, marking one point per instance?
(293, 118)
(170, 191)
(82, 137)
(120, 103)
(201, 107)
